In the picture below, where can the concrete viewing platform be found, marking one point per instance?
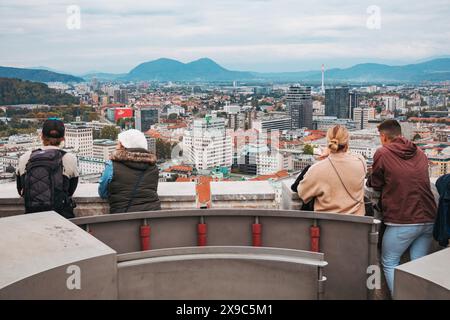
(202, 250)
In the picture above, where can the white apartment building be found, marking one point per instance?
(232, 108)
(23, 142)
(271, 162)
(98, 126)
(361, 117)
(318, 108)
(175, 109)
(88, 165)
(367, 151)
(301, 161)
(79, 137)
(102, 148)
(11, 160)
(207, 144)
(272, 123)
(390, 102)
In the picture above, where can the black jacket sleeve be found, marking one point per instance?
(294, 186)
(19, 184)
(73, 183)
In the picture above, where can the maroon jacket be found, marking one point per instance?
(400, 171)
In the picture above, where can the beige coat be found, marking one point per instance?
(322, 183)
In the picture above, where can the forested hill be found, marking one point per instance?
(16, 91)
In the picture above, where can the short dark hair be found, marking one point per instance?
(391, 128)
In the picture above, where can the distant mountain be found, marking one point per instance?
(207, 70)
(37, 75)
(49, 69)
(434, 70)
(16, 91)
(172, 70)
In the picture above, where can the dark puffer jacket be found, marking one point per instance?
(134, 169)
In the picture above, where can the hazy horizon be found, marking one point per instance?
(252, 35)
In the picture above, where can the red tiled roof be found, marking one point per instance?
(177, 126)
(183, 179)
(276, 175)
(179, 168)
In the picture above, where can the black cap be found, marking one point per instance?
(53, 128)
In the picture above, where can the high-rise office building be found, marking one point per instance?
(361, 117)
(299, 106)
(353, 102)
(121, 96)
(151, 144)
(337, 103)
(79, 137)
(146, 117)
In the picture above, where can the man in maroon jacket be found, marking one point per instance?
(400, 172)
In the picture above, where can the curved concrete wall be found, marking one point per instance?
(230, 273)
(44, 256)
(36, 252)
(348, 242)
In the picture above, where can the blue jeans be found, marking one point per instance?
(396, 241)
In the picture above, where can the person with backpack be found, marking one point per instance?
(48, 176)
(130, 179)
(400, 172)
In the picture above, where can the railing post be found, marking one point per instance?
(144, 233)
(256, 233)
(314, 232)
(321, 284)
(373, 255)
(88, 229)
(201, 232)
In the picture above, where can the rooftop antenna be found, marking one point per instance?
(323, 78)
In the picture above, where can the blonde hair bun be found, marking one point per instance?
(337, 137)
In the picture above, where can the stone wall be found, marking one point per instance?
(173, 195)
(89, 203)
(243, 194)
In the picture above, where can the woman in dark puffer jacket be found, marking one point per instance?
(130, 179)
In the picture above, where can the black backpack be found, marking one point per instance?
(45, 188)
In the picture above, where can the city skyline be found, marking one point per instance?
(258, 35)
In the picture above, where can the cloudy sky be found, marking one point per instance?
(257, 35)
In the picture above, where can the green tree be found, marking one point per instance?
(308, 149)
(172, 116)
(109, 132)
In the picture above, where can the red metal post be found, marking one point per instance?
(201, 233)
(314, 232)
(256, 233)
(145, 236)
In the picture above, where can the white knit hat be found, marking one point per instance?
(133, 138)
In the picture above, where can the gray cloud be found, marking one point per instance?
(260, 35)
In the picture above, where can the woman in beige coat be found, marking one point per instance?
(336, 182)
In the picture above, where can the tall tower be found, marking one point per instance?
(299, 106)
(323, 78)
